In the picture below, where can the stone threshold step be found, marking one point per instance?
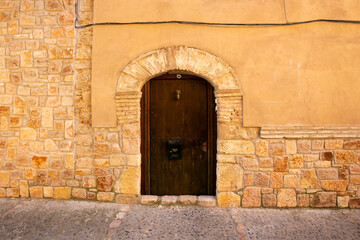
(204, 201)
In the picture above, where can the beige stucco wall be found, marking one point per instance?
(291, 75)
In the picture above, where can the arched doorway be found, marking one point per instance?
(178, 136)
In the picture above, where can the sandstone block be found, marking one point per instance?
(291, 147)
(4, 179)
(2, 192)
(228, 199)
(24, 189)
(309, 179)
(354, 203)
(345, 157)
(296, 161)
(168, 200)
(129, 182)
(262, 148)
(249, 179)
(281, 164)
(36, 192)
(333, 144)
(105, 196)
(317, 144)
(286, 198)
(343, 202)
(329, 174)
(79, 193)
(276, 149)
(252, 197)
(131, 146)
(47, 117)
(324, 199)
(262, 180)
(303, 200)
(291, 181)
(26, 59)
(207, 201)
(236, 147)
(304, 146)
(104, 183)
(84, 163)
(229, 177)
(89, 182)
(62, 192)
(334, 185)
(39, 161)
(19, 106)
(117, 160)
(48, 192)
(28, 134)
(269, 200)
(355, 179)
(276, 180)
(102, 148)
(50, 145)
(12, 192)
(266, 163)
(126, 199)
(148, 199)
(352, 145)
(249, 163)
(187, 199)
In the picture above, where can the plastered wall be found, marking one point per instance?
(302, 75)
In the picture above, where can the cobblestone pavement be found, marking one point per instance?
(51, 219)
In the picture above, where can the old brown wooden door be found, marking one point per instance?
(182, 109)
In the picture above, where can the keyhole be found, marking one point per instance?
(178, 93)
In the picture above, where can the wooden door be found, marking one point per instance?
(181, 109)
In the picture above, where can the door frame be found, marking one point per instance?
(145, 133)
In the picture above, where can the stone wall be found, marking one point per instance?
(48, 148)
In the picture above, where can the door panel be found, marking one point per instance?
(164, 117)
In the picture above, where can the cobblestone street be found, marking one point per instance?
(51, 219)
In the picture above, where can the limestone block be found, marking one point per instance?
(262, 179)
(24, 189)
(148, 199)
(317, 144)
(105, 196)
(355, 179)
(228, 199)
(102, 148)
(327, 156)
(133, 160)
(129, 182)
(345, 157)
(2, 192)
(286, 198)
(50, 145)
(229, 177)
(354, 203)
(36, 192)
(117, 160)
(324, 199)
(131, 146)
(236, 147)
(48, 192)
(309, 179)
(266, 163)
(89, 182)
(168, 200)
(252, 197)
(62, 192)
(5, 99)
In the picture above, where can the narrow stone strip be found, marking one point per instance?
(114, 225)
(240, 227)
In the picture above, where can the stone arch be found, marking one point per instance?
(228, 100)
(196, 61)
